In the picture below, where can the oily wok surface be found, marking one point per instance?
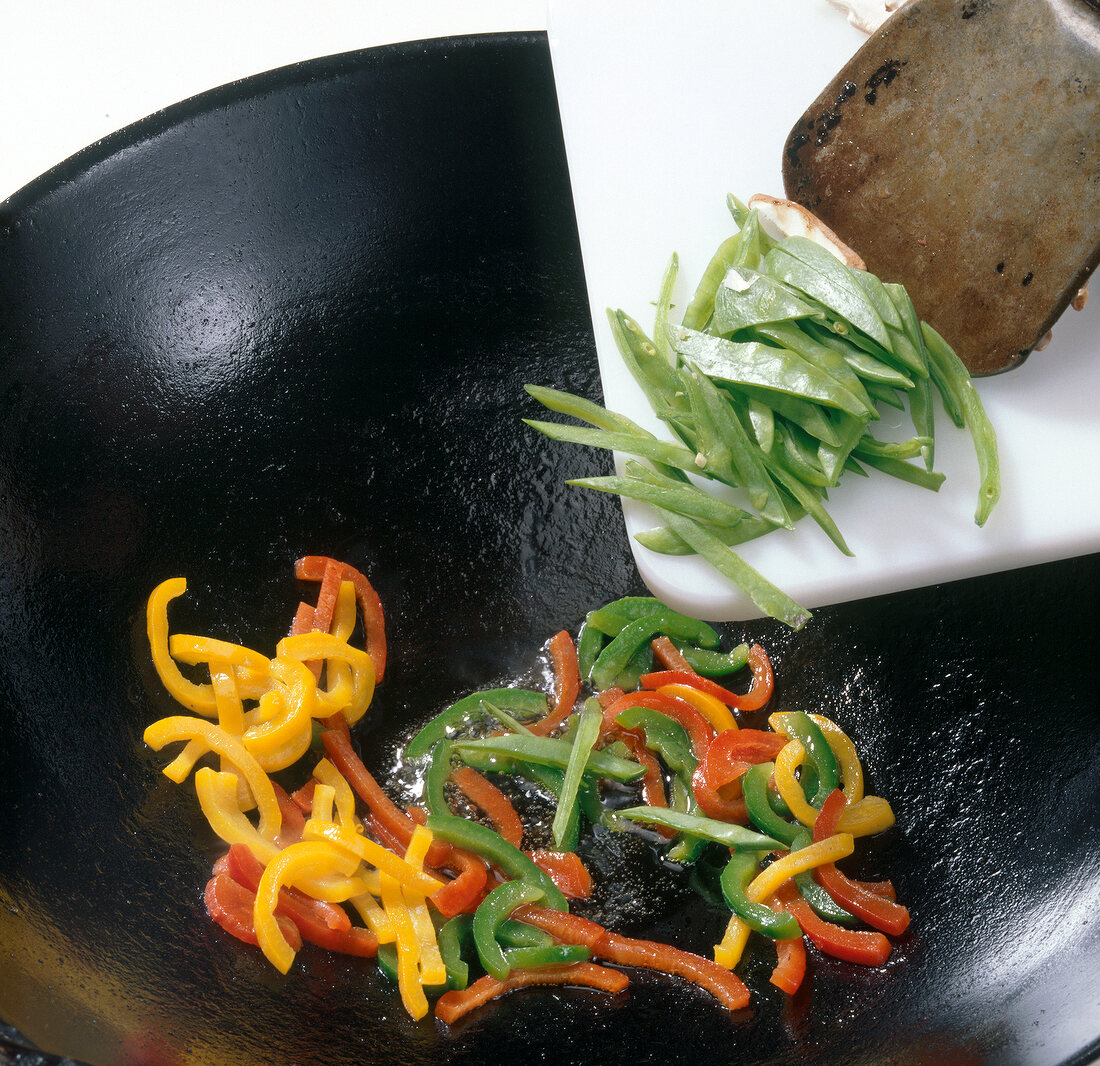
(295, 316)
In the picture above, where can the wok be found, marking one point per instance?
(294, 315)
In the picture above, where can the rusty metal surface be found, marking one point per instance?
(959, 153)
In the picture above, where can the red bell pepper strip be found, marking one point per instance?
(495, 805)
(456, 1004)
(293, 820)
(724, 803)
(314, 568)
(721, 983)
(735, 746)
(699, 730)
(566, 870)
(566, 927)
(231, 904)
(318, 922)
(303, 797)
(567, 684)
(763, 682)
(466, 889)
(386, 813)
(670, 656)
(653, 781)
(609, 696)
(863, 946)
(876, 910)
(790, 967)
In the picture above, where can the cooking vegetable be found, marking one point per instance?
(770, 385)
(440, 898)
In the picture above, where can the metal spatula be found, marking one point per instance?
(958, 152)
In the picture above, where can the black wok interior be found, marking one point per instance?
(294, 316)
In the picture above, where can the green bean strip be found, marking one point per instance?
(549, 751)
(664, 303)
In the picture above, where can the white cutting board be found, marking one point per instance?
(668, 107)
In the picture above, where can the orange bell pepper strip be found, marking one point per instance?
(790, 966)
(496, 806)
(566, 870)
(670, 656)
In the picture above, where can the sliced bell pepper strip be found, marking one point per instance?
(714, 711)
(313, 567)
(520, 701)
(739, 872)
(725, 986)
(525, 958)
(714, 663)
(614, 617)
(566, 927)
(787, 763)
(862, 946)
(763, 681)
(490, 913)
(736, 837)
(435, 778)
(613, 659)
(680, 741)
(844, 751)
(455, 934)
(799, 726)
(491, 846)
(744, 745)
(566, 870)
(219, 797)
(453, 1006)
(567, 684)
(813, 893)
(231, 905)
(754, 787)
(725, 804)
(590, 643)
(670, 656)
(877, 911)
(196, 697)
(790, 967)
(653, 782)
(493, 803)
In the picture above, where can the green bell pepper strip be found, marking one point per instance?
(550, 955)
(563, 827)
(491, 912)
(435, 779)
(665, 736)
(725, 833)
(548, 751)
(513, 933)
(801, 727)
(490, 845)
(454, 935)
(813, 893)
(713, 663)
(754, 787)
(685, 849)
(739, 871)
(613, 618)
(523, 702)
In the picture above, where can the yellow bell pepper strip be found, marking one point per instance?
(182, 765)
(713, 710)
(284, 737)
(868, 816)
(198, 698)
(728, 952)
(306, 857)
(408, 949)
(844, 751)
(227, 697)
(374, 917)
(250, 666)
(367, 850)
(217, 740)
(433, 971)
(343, 796)
(787, 763)
(220, 803)
(309, 646)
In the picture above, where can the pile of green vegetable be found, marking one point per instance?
(771, 385)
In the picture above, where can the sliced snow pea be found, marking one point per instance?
(616, 615)
(956, 381)
(652, 372)
(646, 446)
(918, 475)
(804, 413)
(807, 496)
(676, 496)
(713, 663)
(548, 751)
(771, 600)
(906, 449)
(748, 298)
(726, 833)
(583, 740)
(589, 644)
(754, 363)
(665, 542)
(811, 269)
(664, 304)
(876, 292)
(524, 702)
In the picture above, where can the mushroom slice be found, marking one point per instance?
(785, 218)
